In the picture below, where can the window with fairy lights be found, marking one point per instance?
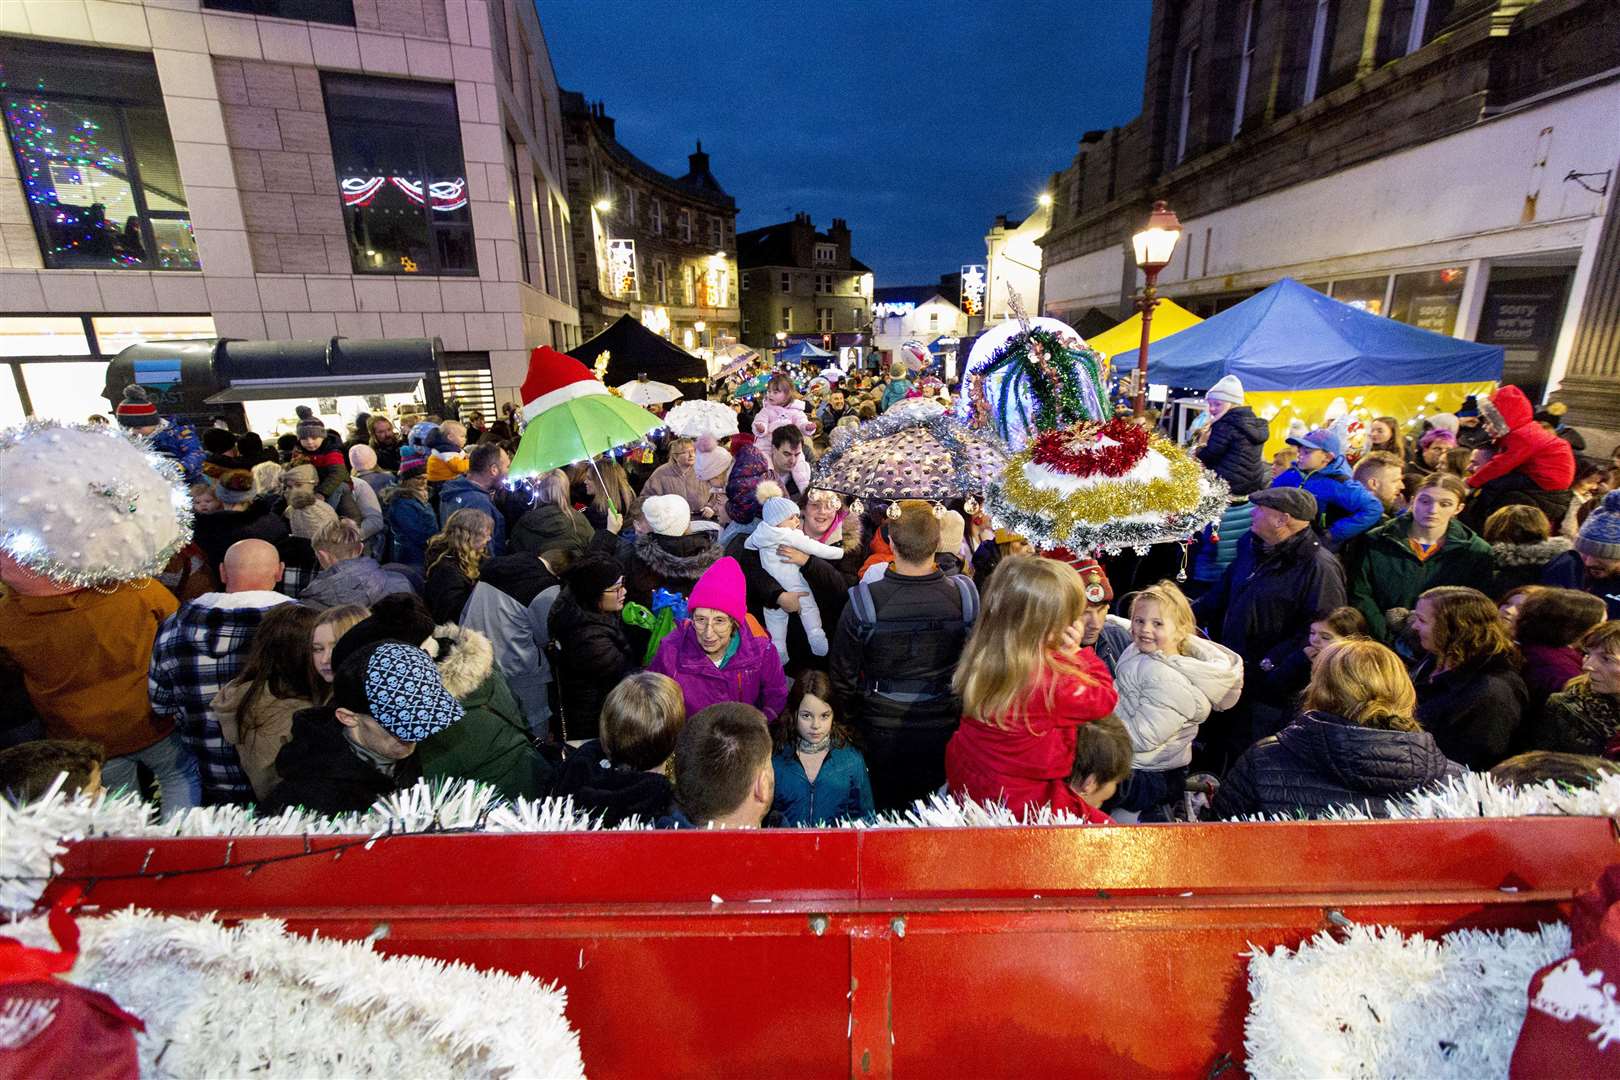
(397, 148)
(95, 157)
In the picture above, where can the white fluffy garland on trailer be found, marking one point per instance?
(253, 1000)
(1380, 1003)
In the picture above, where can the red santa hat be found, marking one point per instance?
(554, 378)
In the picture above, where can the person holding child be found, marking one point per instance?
(1027, 683)
(781, 525)
(1169, 681)
(820, 777)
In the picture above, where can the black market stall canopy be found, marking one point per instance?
(195, 378)
(633, 351)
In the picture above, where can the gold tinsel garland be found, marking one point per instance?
(1110, 500)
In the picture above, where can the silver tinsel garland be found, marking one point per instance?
(1110, 537)
(80, 510)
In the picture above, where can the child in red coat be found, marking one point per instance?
(1026, 685)
(1522, 445)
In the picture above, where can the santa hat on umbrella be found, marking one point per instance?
(554, 378)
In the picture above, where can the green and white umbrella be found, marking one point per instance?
(571, 416)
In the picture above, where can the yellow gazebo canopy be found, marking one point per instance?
(1169, 318)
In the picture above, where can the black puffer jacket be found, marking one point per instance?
(1473, 711)
(320, 771)
(668, 562)
(596, 655)
(1321, 760)
(1233, 451)
(597, 786)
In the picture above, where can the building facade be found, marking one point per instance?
(1448, 163)
(658, 248)
(367, 169)
(801, 284)
(1013, 263)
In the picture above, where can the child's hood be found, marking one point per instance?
(1215, 670)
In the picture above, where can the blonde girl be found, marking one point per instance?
(454, 558)
(1169, 681)
(1026, 685)
(332, 625)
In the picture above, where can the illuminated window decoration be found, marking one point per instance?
(972, 290)
(93, 204)
(716, 285)
(447, 195)
(885, 309)
(622, 268)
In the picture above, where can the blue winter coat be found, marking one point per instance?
(1344, 507)
(1569, 572)
(411, 525)
(840, 790)
(462, 494)
(182, 443)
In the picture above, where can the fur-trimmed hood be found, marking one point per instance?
(1537, 554)
(678, 557)
(463, 656)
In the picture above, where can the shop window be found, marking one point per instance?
(35, 336)
(114, 333)
(1366, 293)
(68, 390)
(340, 12)
(397, 146)
(1429, 299)
(11, 406)
(96, 158)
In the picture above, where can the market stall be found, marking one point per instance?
(1120, 342)
(632, 350)
(1302, 355)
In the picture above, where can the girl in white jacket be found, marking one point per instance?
(1169, 681)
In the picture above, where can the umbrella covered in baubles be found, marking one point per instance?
(913, 452)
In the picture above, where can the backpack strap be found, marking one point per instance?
(860, 598)
(970, 599)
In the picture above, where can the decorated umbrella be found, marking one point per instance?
(914, 451)
(753, 387)
(644, 391)
(1029, 375)
(730, 360)
(692, 419)
(571, 416)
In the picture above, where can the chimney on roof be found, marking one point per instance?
(839, 232)
(698, 161)
(603, 120)
(802, 218)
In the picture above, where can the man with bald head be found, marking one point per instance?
(202, 647)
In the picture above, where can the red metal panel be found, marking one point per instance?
(1026, 952)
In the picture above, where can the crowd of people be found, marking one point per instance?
(694, 634)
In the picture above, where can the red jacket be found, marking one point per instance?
(1526, 447)
(1027, 763)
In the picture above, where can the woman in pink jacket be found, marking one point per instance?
(714, 656)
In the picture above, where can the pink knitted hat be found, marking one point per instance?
(722, 588)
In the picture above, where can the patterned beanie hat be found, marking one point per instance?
(1600, 532)
(398, 686)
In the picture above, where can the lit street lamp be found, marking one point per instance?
(1154, 245)
(1045, 199)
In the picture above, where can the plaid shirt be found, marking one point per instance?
(199, 649)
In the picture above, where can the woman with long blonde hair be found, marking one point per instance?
(1026, 685)
(454, 558)
(552, 522)
(1357, 742)
(608, 489)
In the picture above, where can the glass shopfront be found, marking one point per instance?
(55, 366)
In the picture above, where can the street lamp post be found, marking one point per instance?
(1154, 245)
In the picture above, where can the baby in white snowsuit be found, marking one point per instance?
(780, 527)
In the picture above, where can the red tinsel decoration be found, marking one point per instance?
(1078, 450)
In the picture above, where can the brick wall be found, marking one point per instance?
(280, 148)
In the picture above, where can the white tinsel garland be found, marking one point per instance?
(32, 836)
(256, 1000)
(1379, 1003)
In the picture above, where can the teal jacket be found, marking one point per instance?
(840, 790)
(1390, 575)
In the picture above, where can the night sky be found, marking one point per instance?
(916, 121)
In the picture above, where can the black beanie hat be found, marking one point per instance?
(590, 577)
(396, 617)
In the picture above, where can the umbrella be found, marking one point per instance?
(753, 387)
(691, 419)
(644, 391)
(912, 453)
(578, 430)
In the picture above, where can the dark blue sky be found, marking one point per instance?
(916, 121)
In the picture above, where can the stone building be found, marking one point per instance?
(1449, 163)
(659, 248)
(801, 284)
(364, 168)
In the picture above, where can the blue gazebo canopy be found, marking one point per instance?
(1291, 337)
